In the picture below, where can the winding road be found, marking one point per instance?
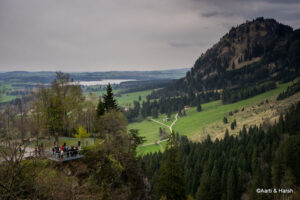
(170, 128)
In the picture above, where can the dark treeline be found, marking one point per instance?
(135, 86)
(168, 105)
(289, 91)
(234, 95)
(21, 77)
(18, 93)
(224, 79)
(234, 167)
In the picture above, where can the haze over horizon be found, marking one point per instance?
(118, 35)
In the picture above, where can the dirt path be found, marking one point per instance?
(154, 143)
(170, 128)
(174, 122)
(161, 147)
(160, 123)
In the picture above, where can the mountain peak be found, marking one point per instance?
(256, 50)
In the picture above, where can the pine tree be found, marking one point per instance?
(215, 183)
(160, 131)
(199, 108)
(100, 108)
(169, 114)
(225, 120)
(231, 184)
(232, 125)
(226, 137)
(203, 191)
(154, 113)
(109, 101)
(170, 183)
(179, 113)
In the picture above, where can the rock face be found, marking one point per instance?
(255, 51)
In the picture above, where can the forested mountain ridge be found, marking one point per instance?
(255, 51)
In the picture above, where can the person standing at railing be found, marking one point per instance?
(62, 151)
(42, 147)
(65, 145)
(57, 152)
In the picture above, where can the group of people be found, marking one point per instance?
(72, 151)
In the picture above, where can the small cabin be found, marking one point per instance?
(187, 107)
(166, 119)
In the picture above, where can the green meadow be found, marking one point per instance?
(128, 98)
(4, 87)
(195, 122)
(143, 150)
(148, 129)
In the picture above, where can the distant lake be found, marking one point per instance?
(103, 82)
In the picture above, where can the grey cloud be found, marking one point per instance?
(231, 2)
(282, 2)
(76, 35)
(210, 14)
(283, 11)
(186, 45)
(216, 13)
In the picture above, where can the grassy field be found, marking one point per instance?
(128, 98)
(196, 125)
(96, 94)
(5, 98)
(148, 129)
(196, 122)
(163, 116)
(142, 150)
(123, 100)
(3, 88)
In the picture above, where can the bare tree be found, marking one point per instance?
(11, 156)
(21, 119)
(8, 120)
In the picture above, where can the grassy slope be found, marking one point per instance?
(215, 111)
(193, 125)
(127, 99)
(150, 129)
(142, 150)
(147, 129)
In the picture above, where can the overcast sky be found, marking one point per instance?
(102, 35)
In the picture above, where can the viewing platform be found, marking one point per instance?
(67, 156)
